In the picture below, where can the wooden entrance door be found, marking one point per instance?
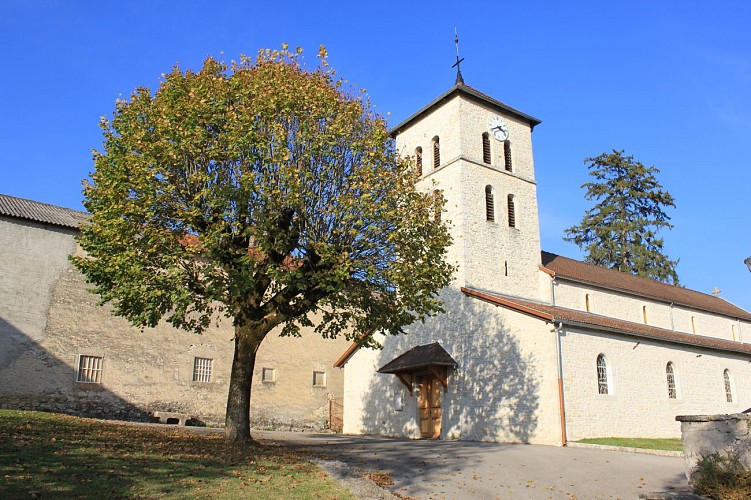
(429, 403)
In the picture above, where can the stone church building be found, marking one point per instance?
(61, 351)
(535, 347)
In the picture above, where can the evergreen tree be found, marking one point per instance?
(620, 231)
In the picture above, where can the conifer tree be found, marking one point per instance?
(620, 231)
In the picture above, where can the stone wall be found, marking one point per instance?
(637, 403)
(504, 388)
(704, 435)
(658, 313)
(48, 319)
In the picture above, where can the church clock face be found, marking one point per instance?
(498, 128)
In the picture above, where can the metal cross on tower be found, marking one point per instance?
(459, 78)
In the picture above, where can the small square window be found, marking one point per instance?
(268, 375)
(89, 369)
(202, 370)
(319, 379)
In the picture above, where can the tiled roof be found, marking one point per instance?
(566, 268)
(472, 93)
(588, 320)
(419, 357)
(41, 212)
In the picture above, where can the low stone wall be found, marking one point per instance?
(704, 435)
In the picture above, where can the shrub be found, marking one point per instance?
(721, 477)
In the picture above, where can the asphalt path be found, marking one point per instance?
(436, 469)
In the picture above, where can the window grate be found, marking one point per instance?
(89, 369)
(486, 148)
(670, 374)
(202, 370)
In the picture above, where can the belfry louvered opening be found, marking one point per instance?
(486, 148)
(436, 152)
(489, 205)
(511, 211)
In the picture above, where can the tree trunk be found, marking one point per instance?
(237, 423)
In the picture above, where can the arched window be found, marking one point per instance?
(489, 206)
(418, 160)
(728, 388)
(732, 330)
(644, 313)
(511, 211)
(693, 325)
(486, 148)
(586, 302)
(670, 375)
(507, 154)
(602, 374)
(437, 205)
(436, 153)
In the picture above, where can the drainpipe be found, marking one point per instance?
(559, 359)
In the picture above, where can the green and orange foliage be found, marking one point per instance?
(263, 191)
(45, 455)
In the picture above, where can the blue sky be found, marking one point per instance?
(669, 82)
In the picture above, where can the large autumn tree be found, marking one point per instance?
(263, 191)
(620, 231)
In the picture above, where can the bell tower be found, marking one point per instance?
(478, 152)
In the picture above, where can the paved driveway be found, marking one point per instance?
(469, 470)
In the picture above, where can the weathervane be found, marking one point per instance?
(459, 78)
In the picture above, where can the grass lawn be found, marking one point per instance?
(646, 443)
(56, 456)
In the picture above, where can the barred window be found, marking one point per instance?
(728, 388)
(670, 374)
(489, 205)
(486, 148)
(511, 211)
(507, 155)
(202, 369)
(89, 369)
(319, 379)
(418, 160)
(602, 374)
(436, 152)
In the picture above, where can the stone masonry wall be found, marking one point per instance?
(637, 403)
(143, 370)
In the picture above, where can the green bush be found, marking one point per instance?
(721, 477)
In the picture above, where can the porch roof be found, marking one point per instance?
(421, 356)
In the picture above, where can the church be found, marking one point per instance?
(534, 347)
